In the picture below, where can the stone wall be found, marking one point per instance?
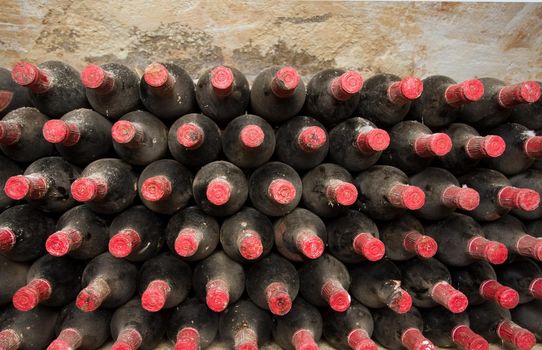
(461, 40)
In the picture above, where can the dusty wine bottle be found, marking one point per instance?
(194, 140)
(108, 283)
(333, 95)
(248, 141)
(378, 285)
(353, 237)
(301, 235)
(275, 189)
(80, 136)
(163, 282)
(278, 94)
(54, 87)
(218, 281)
(112, 89)
(478, 282)
(107, 186)
(51, 281)
(438, 105)
(222, 93)
(167, 91)
(356, 144)
(220, 188)
(23, 232)
(192, 325)
(136, 234)
(192, 234)
(272, 284)
(404, 239)
(385, 194)
(247, 236)
(45, 184)
(469, 148)
(21, 138)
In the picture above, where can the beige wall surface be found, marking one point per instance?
(461, 40)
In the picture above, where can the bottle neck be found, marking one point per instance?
(69, 338)
(505, 297)
(405, 90)
(32, 77)
(62, 242)
(92, 296)
(464, 92)
(250, 244)
(128, 338)
(188, 241)
(285, 82)
(187, 338)
(155, 296)
(98, 79)
(304, 339)
(33, 186)
(278, 298)
(29, 296)
(58, 131)
(245, 338)
(217, 295)
(10, 133)
(336, 295)
(466, 339)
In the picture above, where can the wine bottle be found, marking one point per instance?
(333, 95)
(528, 114)
(136, 234)
(325, 281)
(108, 283)
(386, 98)
(76, 329)
(192, 234)
(278, 94)
(404, 238)
(107, 186)
(413, 146)
(443, 194)
(478, 282)
(18, 329)
(45, 184)
(54, 87)
(112, 89)
(302, 143)
(494, 324)
(194, 140)
(50, 281)
(222, 93)
(351, 329)
(13, 276)
(385, 194)
(469, 148)
(428, 282)
(23, 232)
(510, 231)
(300, 329)
(247, 236)
(496, 104)
(378, 285)
(12, 95)
(446, 329)
(353, 238)
(275, 189)
(356, 144)
(397, 331)
(272, 284)
(139, 138)
(438, 105)
(248, 141)
(134, 328)
(80, 234)
(300, 235)
(525, 276)
(497, 195)
(80, 136)
(523, 147)
(532, 179)
(244, 326)
(328, 190)
(220, 188)
(528, 316)
(8, 169)
(218, 281)
(164, 281)
(165, 186)
(463, 242)
(21, 138)
(192, 325)
(167, 91)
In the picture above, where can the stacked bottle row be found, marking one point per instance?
(402, 210)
